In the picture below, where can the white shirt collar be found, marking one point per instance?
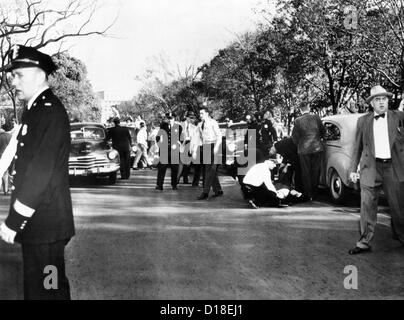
(31, 101)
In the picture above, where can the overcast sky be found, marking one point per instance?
(185, 31)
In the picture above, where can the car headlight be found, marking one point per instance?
(113, 155)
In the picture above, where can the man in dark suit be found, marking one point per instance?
(122, 142)
(40, 216)
(307, 134)
(379, 148)
(169, 143)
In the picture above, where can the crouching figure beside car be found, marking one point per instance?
(259, 189)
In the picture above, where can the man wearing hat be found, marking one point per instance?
(40, 216)
(169, 143)
(379, 150)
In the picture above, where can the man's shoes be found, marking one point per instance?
(175, 188)
(194, 185)
(203, 196)
(159, 188)
(218, 194)
(253, 204)
(358, 250)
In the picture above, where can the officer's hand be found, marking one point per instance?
(354, 177)
(7, 234)
(216, 149)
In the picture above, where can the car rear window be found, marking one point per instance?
(92, 133)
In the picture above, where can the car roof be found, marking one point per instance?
(344, 118)
(81, 124)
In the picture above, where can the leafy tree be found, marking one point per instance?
(71, 85)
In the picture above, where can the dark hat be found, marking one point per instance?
(26, 57)
(170, 115)
(190, 114)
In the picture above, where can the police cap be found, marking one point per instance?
(170, 115)
(26, 57)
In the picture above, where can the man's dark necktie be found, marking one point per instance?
(380, 116)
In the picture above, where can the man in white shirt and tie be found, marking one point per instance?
(379, 145)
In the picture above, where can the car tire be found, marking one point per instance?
(112, 178)
(338, 190)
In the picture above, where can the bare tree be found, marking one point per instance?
(39, 23)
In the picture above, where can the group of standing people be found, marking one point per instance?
(182, 145)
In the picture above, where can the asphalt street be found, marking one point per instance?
(134, 242)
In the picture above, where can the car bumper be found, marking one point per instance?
(93, 171)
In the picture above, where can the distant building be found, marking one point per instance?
(108, 103)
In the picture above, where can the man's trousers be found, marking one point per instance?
(44, 271)
(310, 165)
(124, 157)
(394, 192)
(161, 173)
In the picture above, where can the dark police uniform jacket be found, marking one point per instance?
(41, 177)
(172, 145)
(267, 134)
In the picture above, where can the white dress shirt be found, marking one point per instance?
(381, 137)
(141, 137)
(210, 131)
(259, 174)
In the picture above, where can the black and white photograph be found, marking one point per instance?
(216, 151)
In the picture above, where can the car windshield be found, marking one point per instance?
(92, 133)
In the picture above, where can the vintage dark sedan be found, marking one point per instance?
(90, 154)
(339, 143)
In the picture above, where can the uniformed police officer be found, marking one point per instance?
(169, 142)
(40, 216)
(266, 134)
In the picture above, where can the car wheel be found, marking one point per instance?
(112, 178)
(338, 189)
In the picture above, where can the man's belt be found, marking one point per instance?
(383, 160)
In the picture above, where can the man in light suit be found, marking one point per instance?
(379, 145)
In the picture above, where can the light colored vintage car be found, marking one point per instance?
(339, 143)
(90, 154)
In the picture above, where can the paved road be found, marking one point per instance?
(134, 242)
